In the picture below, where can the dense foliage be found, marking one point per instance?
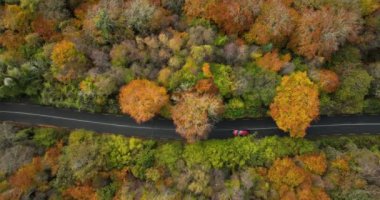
(89, 54)
(296, 104)
(142, 99)
(83, 165)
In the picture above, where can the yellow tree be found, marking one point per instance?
(142, 99)
(296, 104)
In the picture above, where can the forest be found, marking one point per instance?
(44, 163)
(194, 61)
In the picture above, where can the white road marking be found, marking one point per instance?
(265, 128)
(356, 124)
(153, 128)
(86, 121)
(314, 126)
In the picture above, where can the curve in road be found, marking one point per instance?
(160, 128)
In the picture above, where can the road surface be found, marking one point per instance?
(160, 128)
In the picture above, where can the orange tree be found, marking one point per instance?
(327, 80)
(296, 104)
(314, 163)
(142, 99)
(231, 16)
(80, 192)
(25, 178)
(274, 24)
(192, 114)
(285, 171)
(272, 61)
(321, 32)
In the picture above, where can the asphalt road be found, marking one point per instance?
(164, 129)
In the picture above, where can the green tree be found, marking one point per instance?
(224, 79)
(168, 156)
(82, 155)
(45, 137)
(354, 87)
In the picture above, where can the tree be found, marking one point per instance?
(45, 28)
(52, 155)
(206, 86)
(7, 135)
(103, 21)
(354, 87)
(235, 53)
(129, 52)
(68, 62)
(274, 24)
(235, 108)
(99, 26)
(142, 99)
(15, 157)
(25, 176)
(296, 104)
(374, 70)
(168, 155)
(81, 156)
(197, 36)
(315, 163)
(102, 85)
(54, 9)
(273, 61)
(175, 6)
(186, 77)
(139, 14)
(327, 80)
(285, 171)
(192, 114)
(224, 79)
(84, 192)
(117, 151)
(15, 19)
(232, 16)
(45, 137)
(320, 32)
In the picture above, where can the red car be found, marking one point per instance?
(241, 133)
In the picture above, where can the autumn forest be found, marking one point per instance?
(195, 62)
